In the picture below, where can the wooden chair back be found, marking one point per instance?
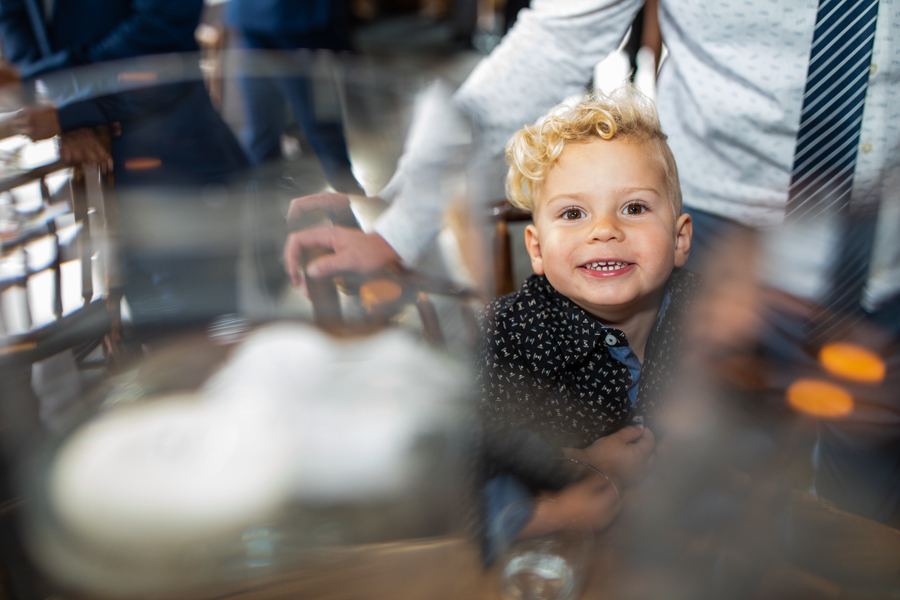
(68, 215)
(503, 213)
(381, 295)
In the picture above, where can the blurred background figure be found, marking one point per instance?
(283, 26)
(165, 137)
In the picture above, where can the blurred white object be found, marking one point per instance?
(295, 420)
(153, 477)
(346, 410)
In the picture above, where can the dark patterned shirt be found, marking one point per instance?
(544, 364)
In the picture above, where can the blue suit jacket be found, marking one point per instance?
(280, 17)
(175, 123)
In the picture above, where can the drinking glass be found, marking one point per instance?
(551, 566)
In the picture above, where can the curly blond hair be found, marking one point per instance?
(625, 113)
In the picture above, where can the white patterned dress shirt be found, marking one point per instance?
(729, 98)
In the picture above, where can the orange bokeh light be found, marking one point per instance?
(819, 398)
(142, 164)
(379, 291)
(852, 362)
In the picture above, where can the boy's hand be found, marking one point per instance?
(624, 455)
(588, 505)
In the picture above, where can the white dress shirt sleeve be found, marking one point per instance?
(549, 55)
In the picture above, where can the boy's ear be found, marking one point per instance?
(533, 243)
(684, 229)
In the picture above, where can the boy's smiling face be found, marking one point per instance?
(606, 201)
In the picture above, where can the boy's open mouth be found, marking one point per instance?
(611, 265)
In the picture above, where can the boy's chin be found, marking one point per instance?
(619, 306)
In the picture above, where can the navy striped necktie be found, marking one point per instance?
(833, 102)
(827, 146)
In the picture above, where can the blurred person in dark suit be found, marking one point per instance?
(285, 26)
(168, 137)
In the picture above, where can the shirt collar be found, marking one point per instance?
(571, 334)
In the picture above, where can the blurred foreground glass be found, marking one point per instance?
(209, 465)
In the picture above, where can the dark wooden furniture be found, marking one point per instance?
(383, 294)
(502, 214)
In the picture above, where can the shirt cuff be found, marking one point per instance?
(508, 510)
(408, 232)
(76, 115)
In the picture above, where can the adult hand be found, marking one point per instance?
(83, 146)
(9, 74)
(624, 456)
(354, 250)
(336, 204)
(38, 122)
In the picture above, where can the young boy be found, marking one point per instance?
(577, 357)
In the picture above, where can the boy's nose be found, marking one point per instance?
(605, 228)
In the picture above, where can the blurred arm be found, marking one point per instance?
(549, 55)
(153, 27)
(16, 34)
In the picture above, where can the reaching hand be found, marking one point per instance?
(624, 455)
(38, 122)
(337, 204)
(354, 251)
(83, 146)
(9, 74)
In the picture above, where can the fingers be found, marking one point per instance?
(83, 146)
(318, 236)
(354, 251)
(630, 434)
(330, 264)
(323, 200)
(647, 441)
(292, 259)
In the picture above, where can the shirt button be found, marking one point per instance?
(866, 148)
(611, 339)
(873, 68)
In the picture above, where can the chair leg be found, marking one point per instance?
(430, 323)
(503, 277)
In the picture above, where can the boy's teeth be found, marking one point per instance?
(606, 265)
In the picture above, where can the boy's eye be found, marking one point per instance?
(573, 213)
(635, 209)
